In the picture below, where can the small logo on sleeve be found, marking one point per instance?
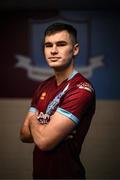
(86, 86)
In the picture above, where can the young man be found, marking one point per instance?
(61, 109)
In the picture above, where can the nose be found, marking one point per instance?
(54, 49)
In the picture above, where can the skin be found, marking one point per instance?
(59, 51)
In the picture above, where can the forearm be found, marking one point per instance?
(25, 135)
(36, 130)
(47, 136)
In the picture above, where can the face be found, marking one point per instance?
(59, 50)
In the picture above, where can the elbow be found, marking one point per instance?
(25, 138)
(22, 138)
(44, 145)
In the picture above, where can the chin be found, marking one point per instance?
(59, 68)
(53, 65)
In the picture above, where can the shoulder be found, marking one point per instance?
(43, 84)
(46, 82)
(80, 83)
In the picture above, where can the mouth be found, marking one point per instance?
(54, 59)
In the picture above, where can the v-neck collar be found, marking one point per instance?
(67, 79)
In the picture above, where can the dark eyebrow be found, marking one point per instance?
(61, 42)
(58, 43)
(47, 43)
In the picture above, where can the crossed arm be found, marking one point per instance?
(46, 136)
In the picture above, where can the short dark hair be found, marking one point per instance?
(57, 27)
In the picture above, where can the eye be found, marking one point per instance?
(48, 45)
(61, 43)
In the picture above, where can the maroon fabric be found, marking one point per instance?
(64, 160)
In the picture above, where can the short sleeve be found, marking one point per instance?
(77, 103)
(36, 95)
(35, 98)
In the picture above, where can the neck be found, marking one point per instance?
(62, 75)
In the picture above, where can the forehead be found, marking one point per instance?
(58, 36)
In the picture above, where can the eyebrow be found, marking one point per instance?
(58, 42)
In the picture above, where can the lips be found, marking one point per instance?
(54, 58)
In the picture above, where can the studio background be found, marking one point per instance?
(22, 68)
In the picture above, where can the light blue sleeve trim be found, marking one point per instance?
(33, 109)
(68, 114)
(73, 74)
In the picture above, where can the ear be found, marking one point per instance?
(76, 49)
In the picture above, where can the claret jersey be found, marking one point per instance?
(74, 98)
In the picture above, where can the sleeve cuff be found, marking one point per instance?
(33, 109)
(69, 115)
